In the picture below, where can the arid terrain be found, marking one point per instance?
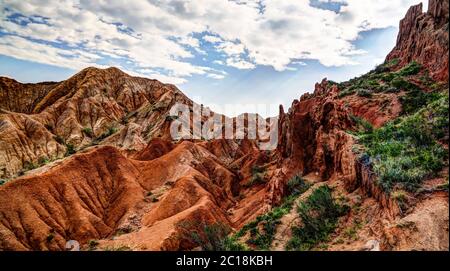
(359, 165)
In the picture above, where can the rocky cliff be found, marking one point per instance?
(91, 159)
(423, 36)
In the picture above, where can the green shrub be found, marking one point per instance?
(297, 185)
(412, 68)
(405, 152)
(43, 160)
(29, 165)
(258, 176)
(88, 131)
(263, 228)
(362, 124)
(416, 99)
(210, 237)
(346, 92)
(111, 130)
(388, 77)
(70, 149)
(392, 90)
(364, 93)
(401, 83)
(319, 215)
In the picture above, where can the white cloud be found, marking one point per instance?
(212, 39)
(240, 64)
(216, 76)
(160, 34)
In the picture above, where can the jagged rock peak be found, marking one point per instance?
(423, 37)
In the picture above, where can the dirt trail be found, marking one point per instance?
(283, 233)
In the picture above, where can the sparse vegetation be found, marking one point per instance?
(319, 215)
(412, 68)
(416, 99)
(258, 176)
(70, 149)
(92, 244)
(297, 185)
(211, 237)
(406, 151)
(401, 198)
(43, 160)
(362, 125)
(364, 93)
(111, 130)
(381, 79)
(88, 132)
(29, 165)
(263, 228)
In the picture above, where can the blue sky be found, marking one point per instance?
(216, 51)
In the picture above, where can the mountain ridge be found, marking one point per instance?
(91, 159)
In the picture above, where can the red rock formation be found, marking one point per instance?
(139, 187)
(80, 111)
(423, 36)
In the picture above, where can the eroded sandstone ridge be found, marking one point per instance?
(91, 159)
(423, 36)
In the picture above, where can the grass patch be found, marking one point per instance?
(361, 124)
(406, 151)
(381, 79)
(319, 215)
(263, 228)
(412, 68)
(416, 99)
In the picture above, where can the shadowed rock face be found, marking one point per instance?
(423, 36)
(132, 186)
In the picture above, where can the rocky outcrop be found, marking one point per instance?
(423, 36)
(131, 185)
(312, 137)
(92, 195)
(22, 98)
(92, 107)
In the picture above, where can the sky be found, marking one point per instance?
(217, 52)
